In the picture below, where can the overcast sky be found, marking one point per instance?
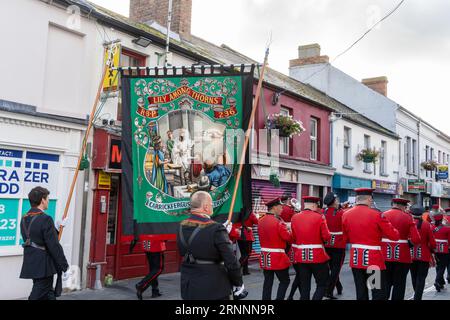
(411, 47)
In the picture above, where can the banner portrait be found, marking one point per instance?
(180, 134)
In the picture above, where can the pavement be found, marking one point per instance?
(170, 287)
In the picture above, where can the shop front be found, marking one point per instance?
(383, 194)
(108, 251)
(344, 186)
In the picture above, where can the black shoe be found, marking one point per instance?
(156, 294)
(245, 273)
(339, 289)
(138, 292)
(438, 287)
(331, 297)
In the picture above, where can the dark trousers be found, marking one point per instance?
(295, 285)
(282, 276)
(42, 289)
(305, 271)
(360, 276)
(441, 265)
(396, 274)
(337, 257)
(245, 247)
(419, 273)
(448, 270)
(156, 266)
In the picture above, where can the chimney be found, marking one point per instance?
(148, 11)
(378, 84)
(308, 54)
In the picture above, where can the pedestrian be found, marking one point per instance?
(335, 248)
(43, 256)
(154, 251)
(397, 254)
(210, 269)
(421, 253)
(273, 238)
(246, 239)
(442, 236)
(363, 228)
(309, 232)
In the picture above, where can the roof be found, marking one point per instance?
(223, 54)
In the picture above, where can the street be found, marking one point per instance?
(169, 285)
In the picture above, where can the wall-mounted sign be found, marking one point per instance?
(21, 171)
(384, 187)
(112, 59)
(416, 185)
(442, 172)
(104, 181)
(115, 154)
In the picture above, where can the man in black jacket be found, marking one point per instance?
(43, 255)
(210, 268)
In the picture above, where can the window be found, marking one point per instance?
(408, 154)
(413, 156)
(347, 144)
(431, 158)
(399, 152)
(284, 141)
(366, 146)
(439, 156)
(427, 152)
(314, 127)
(383, 158)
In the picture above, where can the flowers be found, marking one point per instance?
(429, 165)
(368, 155)
(286, 124)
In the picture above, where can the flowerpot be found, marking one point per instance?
(368, 159)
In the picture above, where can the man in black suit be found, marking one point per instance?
(210, 268)
(43, 255)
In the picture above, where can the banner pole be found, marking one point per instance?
(83, 148)
(247, 135)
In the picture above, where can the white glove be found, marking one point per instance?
(227, 224)
(238, 290)
(66, 275)
(61, 223)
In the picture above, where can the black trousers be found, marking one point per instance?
(305, 271)
(245, 247)
(419, 273)
(282, 276)
(396, 274)
(336, 261)
(295, 285)
(441, 265)
(42, 289)
(360, 276)
(156, 266)
(448, 271)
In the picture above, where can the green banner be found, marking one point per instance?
(186, 135)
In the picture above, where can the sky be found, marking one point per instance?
(411, 47)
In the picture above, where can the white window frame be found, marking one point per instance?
(285, 141)
(367, 146)
(313, 139)
(347, 146)
(383, 158)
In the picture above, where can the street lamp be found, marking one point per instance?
(141, 41)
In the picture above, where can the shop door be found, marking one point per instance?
(114, 211)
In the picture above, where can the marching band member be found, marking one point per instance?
(245, 240)
(421, 253)
(335, 248)
(442, 236)
(309, 232)
(364, 228)
(397, 254)
(273, 237)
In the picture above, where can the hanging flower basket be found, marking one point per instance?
(368, 155)
(429, 165)
(287, 126)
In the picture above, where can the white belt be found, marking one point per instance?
(272, 250)
(399, 241)
(363, 246)
(446, 241)
(307, 246)
(336, 233)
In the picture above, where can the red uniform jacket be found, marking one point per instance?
(422, 251)
(251, 221)
(154, 245)
(334, 223)
(309, 232)
(273, 238)
(287, 214)
(399, 251)
(364, 228)
(442, 236)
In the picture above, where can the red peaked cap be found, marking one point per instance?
(438, 216)
(435, 206)
(364, 191)
(273, 202)
(401, 201)
(309, 199)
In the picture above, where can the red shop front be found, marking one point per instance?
(107, 248)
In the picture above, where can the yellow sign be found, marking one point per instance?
(104, 181)
(112, 60)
